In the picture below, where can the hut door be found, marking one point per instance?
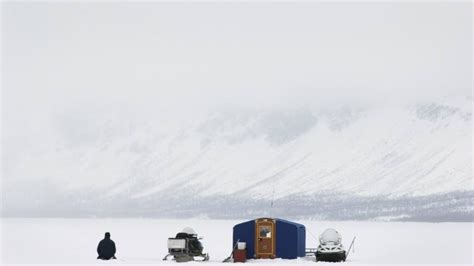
(265, 238)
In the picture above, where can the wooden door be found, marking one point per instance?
(265, 238)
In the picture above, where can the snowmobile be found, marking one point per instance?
(330, 247)
(186, 246)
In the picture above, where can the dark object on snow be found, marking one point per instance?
(185, 246)
(330, 247)
(336, 256)
(271, 238)
(106, 248)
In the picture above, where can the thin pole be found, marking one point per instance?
(271, 204)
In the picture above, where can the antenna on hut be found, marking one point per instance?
(271, 204)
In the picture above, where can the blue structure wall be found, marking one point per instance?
(245, 232)
(301, 241)
(290, 238)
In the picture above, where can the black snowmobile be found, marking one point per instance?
(186, 246)
(330, 247)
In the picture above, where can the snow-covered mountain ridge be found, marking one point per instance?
(391, 152)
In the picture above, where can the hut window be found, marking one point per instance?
(265, 231)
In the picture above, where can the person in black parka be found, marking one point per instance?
(106, 248)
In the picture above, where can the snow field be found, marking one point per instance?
(43, 241)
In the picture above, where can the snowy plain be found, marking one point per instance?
(48, 241)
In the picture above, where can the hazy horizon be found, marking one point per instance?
(117, 92)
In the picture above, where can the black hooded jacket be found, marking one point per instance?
(106, 248)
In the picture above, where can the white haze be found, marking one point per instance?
(232, 53)
(172, 63)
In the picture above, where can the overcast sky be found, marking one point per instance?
(84, 59)
(233, 53)
(65, 65)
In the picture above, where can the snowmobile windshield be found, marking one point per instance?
(189, 231)
(330, 236)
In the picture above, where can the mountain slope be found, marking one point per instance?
(391, 152)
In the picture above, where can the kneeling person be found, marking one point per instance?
(106, 248)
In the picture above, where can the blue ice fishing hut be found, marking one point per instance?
(271, 238)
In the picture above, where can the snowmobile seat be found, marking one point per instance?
(182, 235)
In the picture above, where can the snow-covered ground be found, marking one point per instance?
(143, 241)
